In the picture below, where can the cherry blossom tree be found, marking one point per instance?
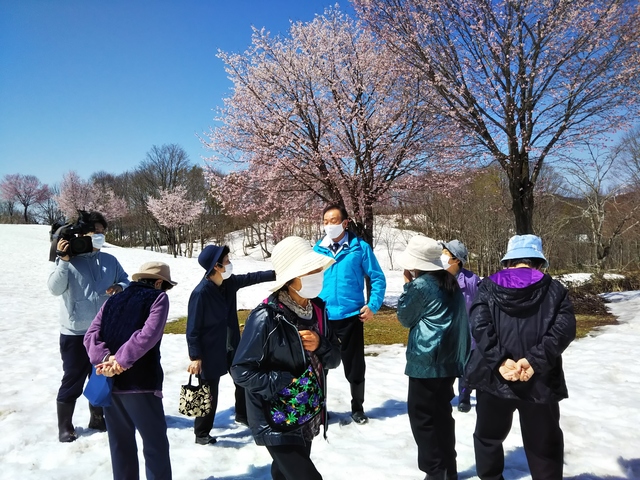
(525, 78)
(77, 194)
(328, 112)
(271, 201)
(177, 214)
(25, 190)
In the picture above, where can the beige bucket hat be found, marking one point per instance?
(157, 270)
(293, 257)
(422, 253)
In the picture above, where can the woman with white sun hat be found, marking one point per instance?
(285, 349)
(433, 307)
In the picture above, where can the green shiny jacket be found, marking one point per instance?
(439, 340)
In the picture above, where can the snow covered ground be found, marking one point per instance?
(600, 419)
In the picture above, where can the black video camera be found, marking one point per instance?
(75, 234)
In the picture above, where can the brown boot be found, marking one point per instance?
(66, 432)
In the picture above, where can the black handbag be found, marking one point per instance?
(195, 400)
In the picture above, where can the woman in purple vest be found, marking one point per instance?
(123, 341)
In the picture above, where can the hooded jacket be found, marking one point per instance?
(269, 357)
(439, 339)
(82, 282)
(520, 313)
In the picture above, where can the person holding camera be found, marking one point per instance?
(84, 282)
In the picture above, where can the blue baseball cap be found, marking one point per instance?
(525, 246)
(457, 249)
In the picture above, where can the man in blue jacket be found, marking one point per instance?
(343, 292)
(213, 333)
(83, 282)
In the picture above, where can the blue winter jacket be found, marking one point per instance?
(83, 282)
(439, 339)
(343, 289)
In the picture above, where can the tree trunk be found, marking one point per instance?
(26, 218)
(366, 233)
(521, 190)
(364, 226)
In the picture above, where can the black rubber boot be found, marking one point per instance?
(96, 420)
(66, 432)
(441, 475)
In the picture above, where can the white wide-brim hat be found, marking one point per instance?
(293, 257)
(422, 253)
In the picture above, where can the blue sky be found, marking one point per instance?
(90, 86)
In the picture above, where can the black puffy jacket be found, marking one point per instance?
(270, 356)
(537, 323)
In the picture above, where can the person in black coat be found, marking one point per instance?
(522, 321)
(213, 332)
(281, 361)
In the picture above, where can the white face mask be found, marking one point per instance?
(311, 285)
(97, 240)
(445, 261)
(334, 231)
(228, 270)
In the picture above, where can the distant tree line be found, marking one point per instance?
(588, 216)
(162, 204)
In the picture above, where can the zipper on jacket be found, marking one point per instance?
(304, 356)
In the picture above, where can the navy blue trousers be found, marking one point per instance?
(202, 425)
(75, 366)
(143, 412)
(541, 436)
(464, 391)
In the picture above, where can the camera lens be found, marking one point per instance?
(78, 245)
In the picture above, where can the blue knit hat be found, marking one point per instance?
(211, 256)
(525, 246)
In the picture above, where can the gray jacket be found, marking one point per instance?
(82, 283)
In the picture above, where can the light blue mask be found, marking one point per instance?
(97, 240)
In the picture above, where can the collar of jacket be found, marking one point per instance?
(348, 240)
